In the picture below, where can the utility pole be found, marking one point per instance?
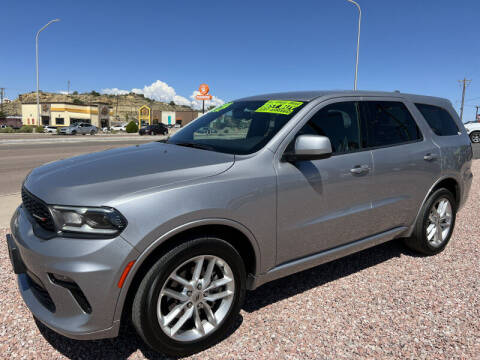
(2, 94)
(68, 87)
(476, 114)
(464, 83)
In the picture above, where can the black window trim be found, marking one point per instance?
(421, 139)
(459, 132)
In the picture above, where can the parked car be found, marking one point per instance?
(206, 130)
(155, 129)
(174, 233)
(79, 128)
(119, 128)
(177, 126)
(50, 129)
(473, 130)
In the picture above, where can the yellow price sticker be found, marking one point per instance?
(284, 107)
(224, 106)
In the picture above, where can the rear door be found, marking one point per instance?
(405, 162)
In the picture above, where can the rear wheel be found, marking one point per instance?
(435, 224)
(190, 297)
(475, 137)
(74, 132)
(92, 132)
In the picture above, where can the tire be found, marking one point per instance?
(475, 137)
(92, 132)
(182, 260)
(419, 241)
(74, 132)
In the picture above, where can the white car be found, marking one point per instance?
(50, 129)
(119, 128)
(473, 130)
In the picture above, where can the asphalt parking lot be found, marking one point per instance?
(385, 302)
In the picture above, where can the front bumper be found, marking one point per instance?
(95, 266)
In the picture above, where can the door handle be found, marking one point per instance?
(359, 169)
(429, 157)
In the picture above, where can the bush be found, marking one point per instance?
(39, 129)
(77, 102)
(132, 127)
(6, 130)
(26, 129)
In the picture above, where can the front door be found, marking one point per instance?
(325, 203)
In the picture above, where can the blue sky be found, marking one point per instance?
(243, 47)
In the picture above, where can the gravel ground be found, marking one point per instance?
(384, 302)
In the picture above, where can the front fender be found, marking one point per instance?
(168, 235)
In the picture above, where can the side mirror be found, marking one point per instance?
(310, 147)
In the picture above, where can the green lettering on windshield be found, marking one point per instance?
(224, 106)
(284, 107)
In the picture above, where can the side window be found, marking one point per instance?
(439, 120)
(389, 123)
(339, 122)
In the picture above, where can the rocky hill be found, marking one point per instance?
(124, 107)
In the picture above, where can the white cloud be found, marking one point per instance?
(161, 91)
(114, 91)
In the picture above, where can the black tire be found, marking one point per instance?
(475, 137)
(92, 132)
(144, 308)
(418, 241)
(74, 132)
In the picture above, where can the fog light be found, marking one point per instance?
(60, 278)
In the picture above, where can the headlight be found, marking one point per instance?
(106, 222)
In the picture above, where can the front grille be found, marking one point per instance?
(38, 210)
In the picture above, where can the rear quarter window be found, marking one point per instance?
(439, 120)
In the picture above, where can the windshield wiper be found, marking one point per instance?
(194, 145)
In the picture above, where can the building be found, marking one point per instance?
(148, 115)
(64, 114)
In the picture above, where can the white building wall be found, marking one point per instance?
(166, 115)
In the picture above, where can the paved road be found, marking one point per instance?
(17, 159)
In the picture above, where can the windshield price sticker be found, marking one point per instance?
(279, 107)
(224, 106)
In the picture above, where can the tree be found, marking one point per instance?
(75, 92)
(94, 93)
(2, 114)
(77, 101)
(172, 103)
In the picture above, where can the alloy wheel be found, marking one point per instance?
(196, 298)
(439, 222)
(475, 137)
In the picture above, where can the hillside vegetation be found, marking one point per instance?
(125, 107)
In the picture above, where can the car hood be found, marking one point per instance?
(98, 178)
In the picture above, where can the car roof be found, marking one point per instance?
(314, 94)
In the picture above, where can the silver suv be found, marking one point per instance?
(79, 128)
(170, 235)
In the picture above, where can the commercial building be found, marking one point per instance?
(148, 115)
(64, 114)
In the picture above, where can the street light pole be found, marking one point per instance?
(358, 40)
(36, 63)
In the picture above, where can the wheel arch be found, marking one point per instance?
(232, 232)
(447, 182)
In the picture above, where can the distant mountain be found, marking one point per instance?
(124, 107)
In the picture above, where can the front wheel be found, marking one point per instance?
(92, 132)
(435, 224)
(190, 297)
(475, 137)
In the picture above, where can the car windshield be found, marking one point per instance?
(241, 127)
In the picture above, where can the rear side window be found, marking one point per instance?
(389, 123)
(439, 120)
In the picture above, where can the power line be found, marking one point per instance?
(2, 93)
(464, 83)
